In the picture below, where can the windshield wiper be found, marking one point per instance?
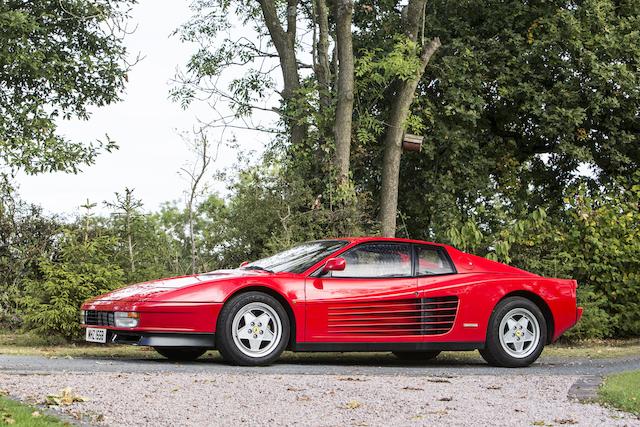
(257, 267)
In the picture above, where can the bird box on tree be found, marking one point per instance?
(412, 142)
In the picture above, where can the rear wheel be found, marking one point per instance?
(181, 354)
(416, 355)
(253, 329)
(516, 335)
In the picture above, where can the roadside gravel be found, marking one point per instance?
(168, 399)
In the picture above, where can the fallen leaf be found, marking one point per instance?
(353, 404)
(36, 414)
(66, 397)
(303, 398)
(565, 421)
(350, 379)
(7, 418)
(445, 399)
(494, 387)
(539, 423)
(295, 389)
(437, 380)
(3, 392)
(413, 388)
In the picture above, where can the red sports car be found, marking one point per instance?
(409, 297)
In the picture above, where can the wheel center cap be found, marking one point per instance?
(519, 333)
(256, 329)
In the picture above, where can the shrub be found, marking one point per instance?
(81, 269)
(595, 240)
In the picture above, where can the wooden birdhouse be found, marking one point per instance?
(412, 142)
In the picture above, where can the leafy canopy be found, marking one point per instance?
(57, 58)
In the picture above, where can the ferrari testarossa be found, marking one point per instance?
(409, 297)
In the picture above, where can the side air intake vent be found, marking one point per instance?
(425, 316)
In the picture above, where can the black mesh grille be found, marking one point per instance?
(99, 318)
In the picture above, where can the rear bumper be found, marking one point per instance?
(154, 339)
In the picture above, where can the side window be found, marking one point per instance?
(432, 260)
(377, 260)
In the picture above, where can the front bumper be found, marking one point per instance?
(158, 317)
(155, 339)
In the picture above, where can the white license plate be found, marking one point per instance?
(96, 335)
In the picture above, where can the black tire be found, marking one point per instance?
(181, 354)
(225, 342)
(416, 356)
(494, 353)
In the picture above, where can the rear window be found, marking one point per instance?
(432, 260)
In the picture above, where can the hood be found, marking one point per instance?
(148, 290)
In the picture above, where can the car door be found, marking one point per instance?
(374, 299)
(440, 300)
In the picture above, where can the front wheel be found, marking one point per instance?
(516, 335)
(253, 329)
(181, 354)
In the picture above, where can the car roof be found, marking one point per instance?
(386, 239)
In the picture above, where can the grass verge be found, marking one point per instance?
(622, 391)
(18, 414)
(30, 345)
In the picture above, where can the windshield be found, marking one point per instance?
(299, 258)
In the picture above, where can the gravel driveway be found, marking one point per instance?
(320, 400)
(316, 393)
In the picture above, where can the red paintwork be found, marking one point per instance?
(322, 307)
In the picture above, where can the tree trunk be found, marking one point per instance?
(393, 142)
(191, 235)
(322, 65)
(130, 243)
(285, 44)
(344, 107)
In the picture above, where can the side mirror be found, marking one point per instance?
(243, 263)
(334, 264)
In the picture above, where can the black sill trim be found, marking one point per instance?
(163, 339)
(388, 346)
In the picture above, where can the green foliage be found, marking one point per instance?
(57, 58)
(25, 234)
(596, 241)
(270, 210)
(521, 99)
(84, 269)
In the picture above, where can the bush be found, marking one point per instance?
(595, 240)
(81, 270)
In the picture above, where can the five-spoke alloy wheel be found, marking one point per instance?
(253, 329)
(516, 335)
